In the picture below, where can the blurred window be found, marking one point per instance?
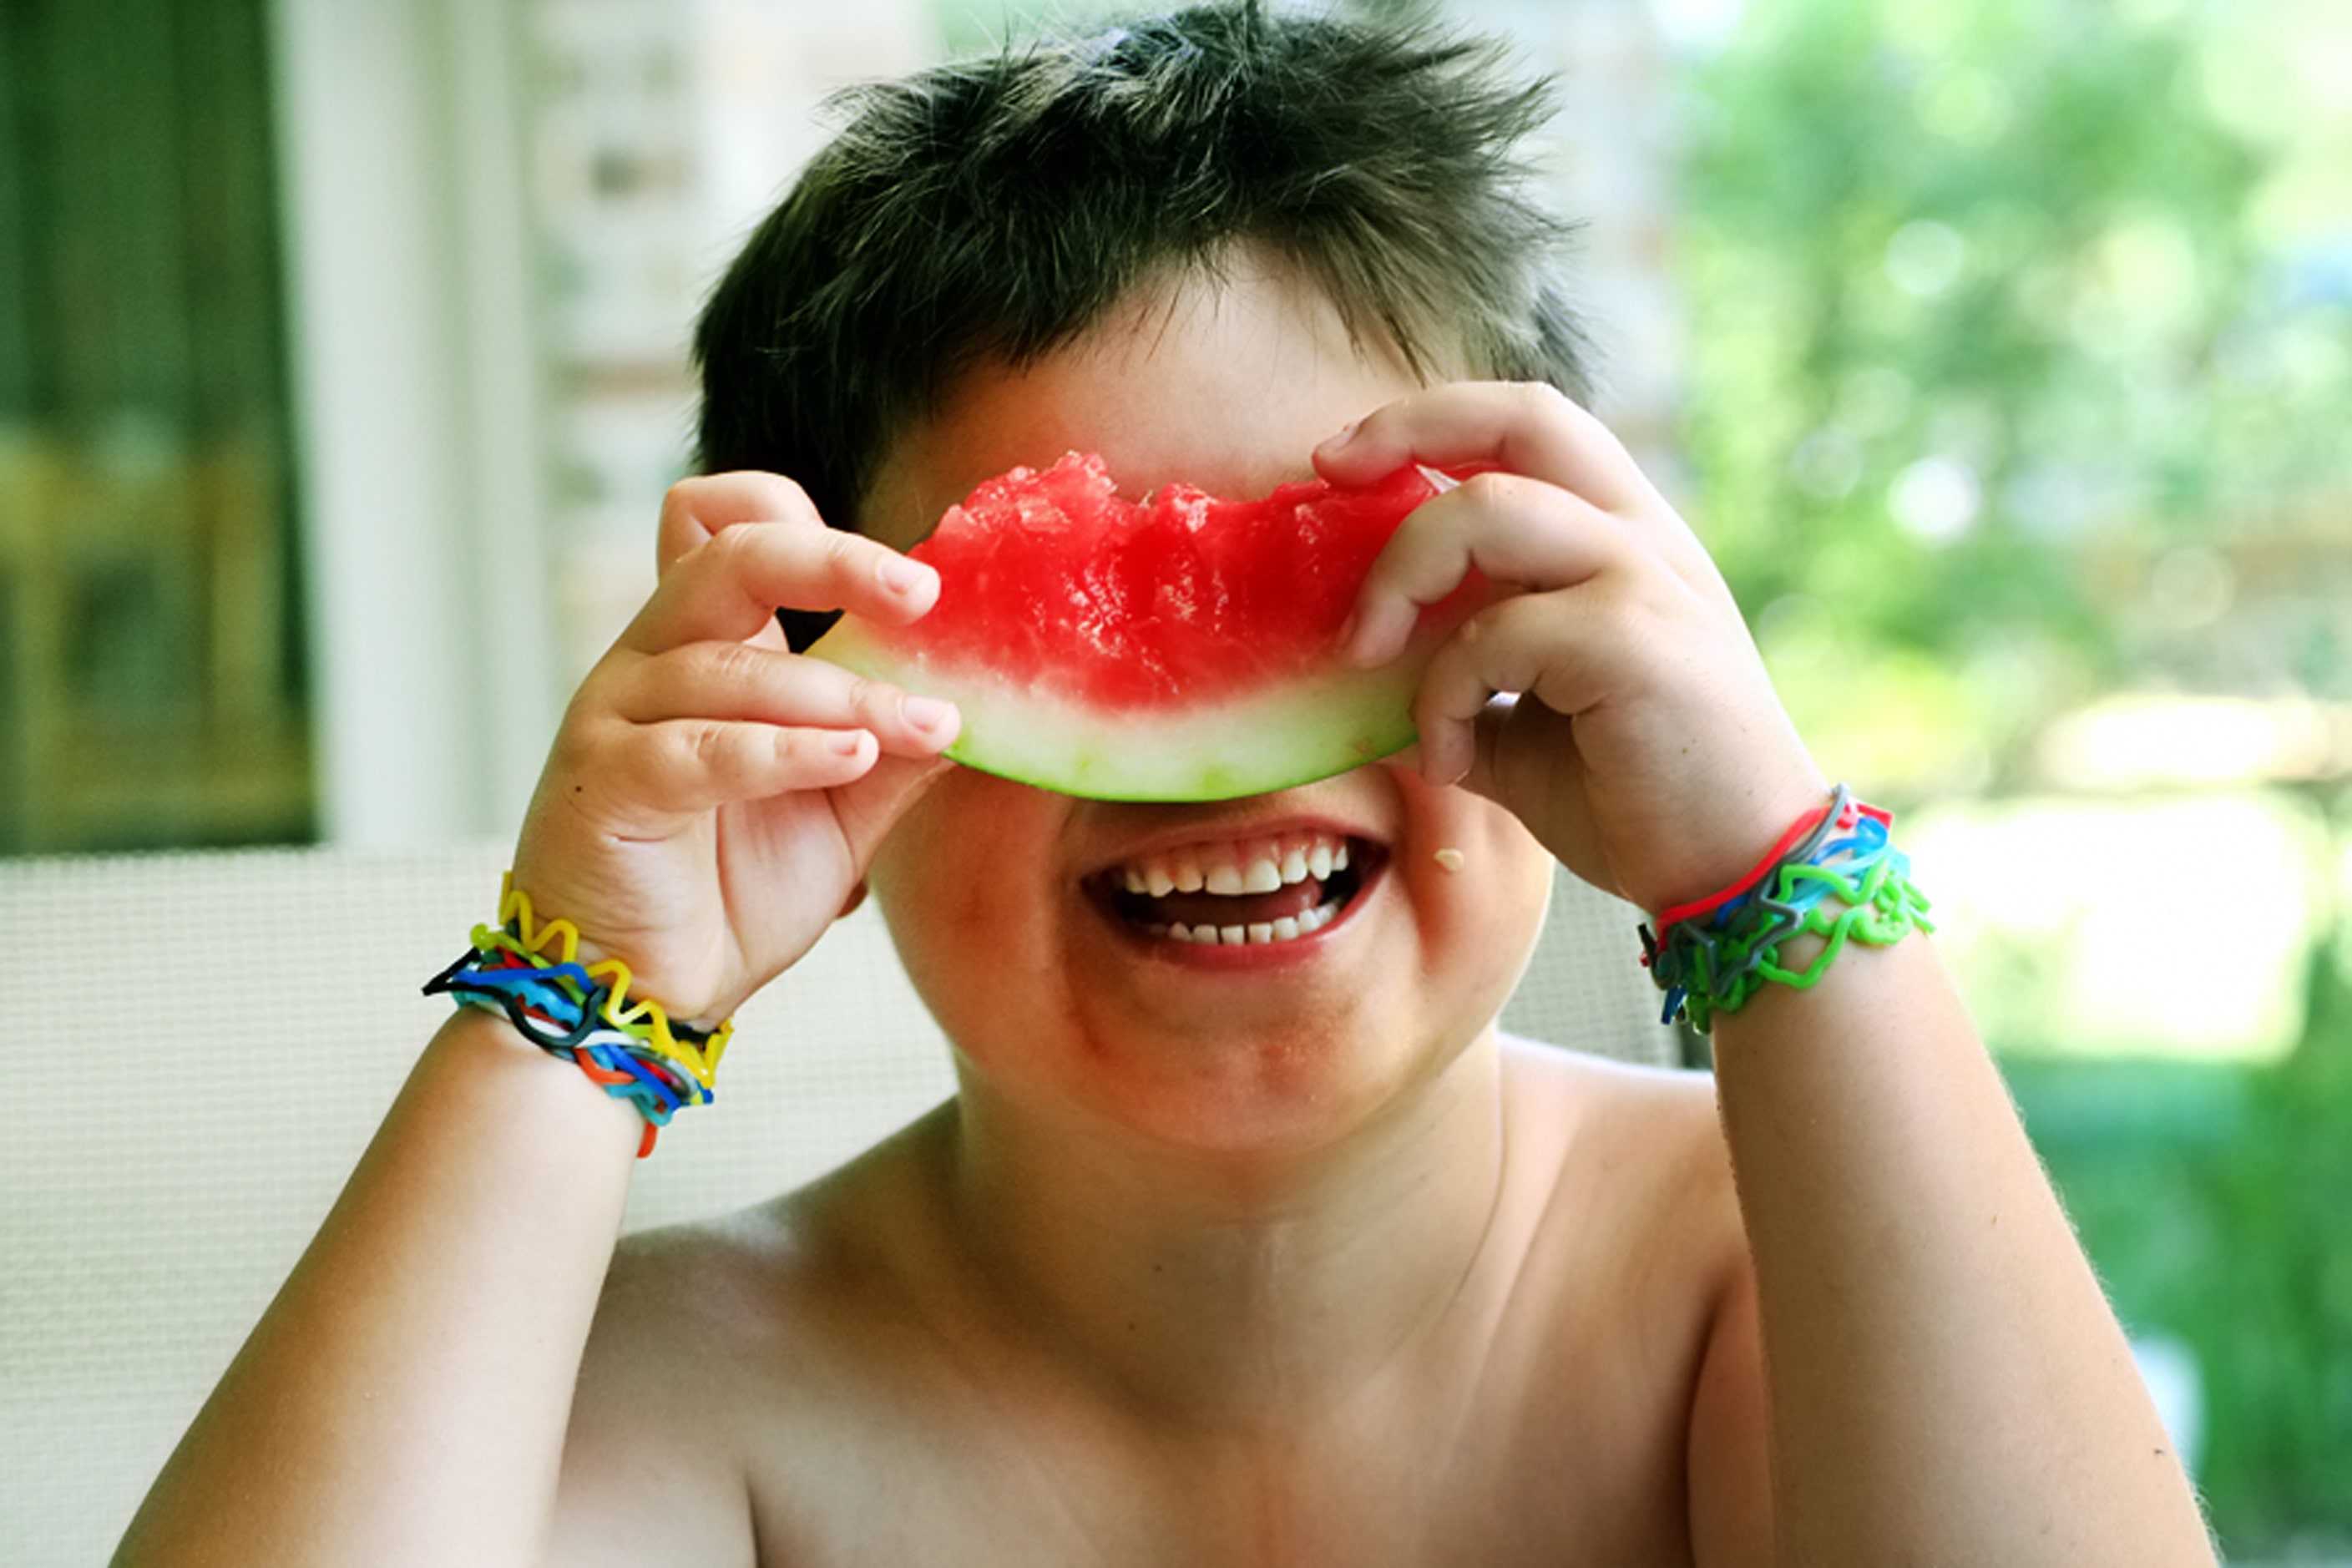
(151, 678)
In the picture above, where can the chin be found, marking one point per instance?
(1250, 1095)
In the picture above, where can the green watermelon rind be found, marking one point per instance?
(1276, 737)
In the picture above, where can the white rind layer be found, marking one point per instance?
(1250, 743)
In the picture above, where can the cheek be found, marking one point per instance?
(933, 906)
(941, 877)
(1479, 876)
(921, 890)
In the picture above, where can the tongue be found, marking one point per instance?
(1291, 901)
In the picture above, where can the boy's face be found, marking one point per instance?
(999, 895)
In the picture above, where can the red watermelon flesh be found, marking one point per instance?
(1184, 648)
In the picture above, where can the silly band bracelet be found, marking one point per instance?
(581, 1013)
(1833, 875)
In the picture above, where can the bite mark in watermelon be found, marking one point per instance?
(1186, 647)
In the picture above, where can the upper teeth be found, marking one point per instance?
(1259, 866)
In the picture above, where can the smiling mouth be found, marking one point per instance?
(1252, 894)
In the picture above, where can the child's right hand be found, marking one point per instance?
(711, 799)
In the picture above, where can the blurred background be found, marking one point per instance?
(2001, 349)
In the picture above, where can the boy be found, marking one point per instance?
(1266, 1254)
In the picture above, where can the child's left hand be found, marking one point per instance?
(1647, 751)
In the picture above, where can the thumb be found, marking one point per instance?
(869, 807)
(1526, 761)
(1522, 751)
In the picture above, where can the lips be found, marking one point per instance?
(1254, 892)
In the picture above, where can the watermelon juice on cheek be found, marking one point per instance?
(1004, 904)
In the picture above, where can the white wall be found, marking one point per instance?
(416, 415)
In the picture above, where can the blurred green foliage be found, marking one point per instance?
(2023, 354)
(2022, 372)
(2214, 1200)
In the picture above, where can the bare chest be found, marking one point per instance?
(1566, 1458)
(1542, 1418)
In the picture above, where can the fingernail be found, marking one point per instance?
(901, 575)
(845, 743)
(926, 712)
(1439, 767)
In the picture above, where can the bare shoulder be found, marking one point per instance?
(1631, 1257)
(719, 1344)
(783, 1284)
(1641, 1167)
(1619, 1135)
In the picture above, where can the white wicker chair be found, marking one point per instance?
(203, 1043)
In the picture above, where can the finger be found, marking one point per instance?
(1528, 763)
(1522, 427)
(1521, 746)
(1524, 645)
(728, 588)
(695, 511)
(685, 766)
(739, 682)
(870, 808)
(1517, 532)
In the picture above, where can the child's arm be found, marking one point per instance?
(1942, 1379)
(709, 809)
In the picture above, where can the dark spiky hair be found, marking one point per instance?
(996, 208)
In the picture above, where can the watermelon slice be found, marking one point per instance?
(1183, 648)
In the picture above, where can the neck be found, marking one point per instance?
(1225, 1291)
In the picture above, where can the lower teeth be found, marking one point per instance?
(1285, 929)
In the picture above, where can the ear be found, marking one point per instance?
(856, 896)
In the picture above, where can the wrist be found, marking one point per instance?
(1749, 832)
(1833, 878)
(530, 972)
(480, 1054)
